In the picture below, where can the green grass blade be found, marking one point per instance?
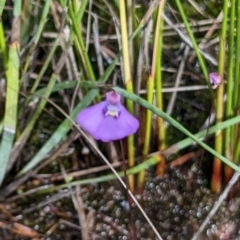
(194, 43)
(83, 53)
(37, 35)
(10, 117)
(188, 141)
(175, 124)
(11, 104)
(65, 126)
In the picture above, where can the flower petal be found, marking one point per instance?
(117, 128)
(90, 119)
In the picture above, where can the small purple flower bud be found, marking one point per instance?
(215, 79)
(108, 120)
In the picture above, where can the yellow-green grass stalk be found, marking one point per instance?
(87, 66)
(12, 89)
(236, 154)
(159, 96)
(216, 181)
(236, 92)
(128, 83)
(150, 91)
(37, 36)
(229, 132)
(3, 46)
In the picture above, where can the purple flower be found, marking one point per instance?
(108, 120)
(215, 79)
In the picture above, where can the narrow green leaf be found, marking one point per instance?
(175, 124)
(10, 116)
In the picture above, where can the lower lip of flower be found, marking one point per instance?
(111, 111)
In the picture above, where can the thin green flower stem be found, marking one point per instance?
(195, 46)
(3, 46)
(83, 53)
(236, 92)
(175, 124)
(216, 181)
(229, 133)
(12, 89)
(150, 91)
(37, 36)
(128, 83)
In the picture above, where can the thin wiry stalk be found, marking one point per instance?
(177, 82)
(43, 69)
(128, 83)
(159, 96)
(216, 183)
(37, 36)
(150, 90)
(195, 46)
(84, 56)
(236, 97)
(236, 92)
(229, 132)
